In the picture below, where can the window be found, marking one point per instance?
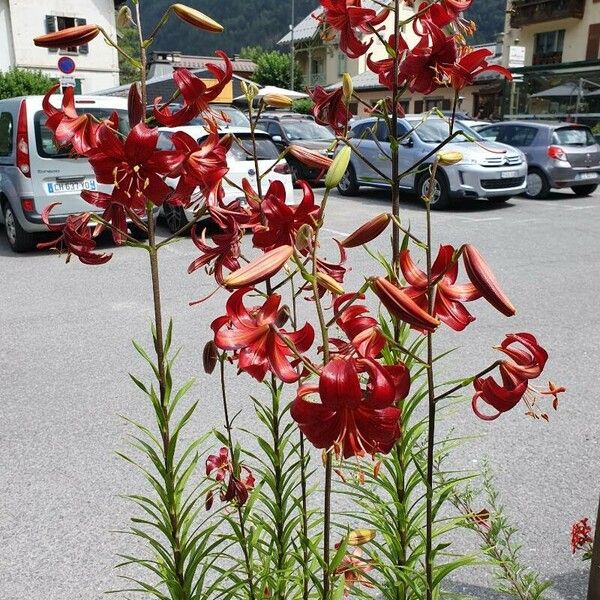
(274, 129)
(548, 47)
(56, 23)
(242, 148)
(573, 136)
(490, 133)
(6, 129)
(517, 135)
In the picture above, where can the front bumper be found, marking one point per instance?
(475, 181)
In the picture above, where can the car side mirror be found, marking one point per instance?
(276, 138)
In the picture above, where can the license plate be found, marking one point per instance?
(70, 187)
(587, 175)
(509, 174)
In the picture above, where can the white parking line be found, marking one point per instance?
(482, 220)
(581, 207)
(335, 232)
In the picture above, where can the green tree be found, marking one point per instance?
(274, 68)
(128, 41)
(303, 106)
(252, 53)
(20, 82)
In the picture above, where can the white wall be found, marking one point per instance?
(98, 70)
(6, 50)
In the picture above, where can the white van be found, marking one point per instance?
(35, 173)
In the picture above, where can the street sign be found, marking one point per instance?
(67, 81)
(516, 57)
(66, 65)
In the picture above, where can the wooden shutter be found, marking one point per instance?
(418, 106)
(446, 104)
(51, 28)
(593, 44)
(85, 49)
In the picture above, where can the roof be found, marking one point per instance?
(197, 131)
(309, 26)
(189, 61)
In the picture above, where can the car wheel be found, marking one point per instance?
(537, 185)
(175, 217)
(441, 197)
(348, 186)
(19, 239)
(500, 199)
(584, 190)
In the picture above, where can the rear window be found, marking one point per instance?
(6, 128)
(573, 136)
(45, 140)
(242, 149)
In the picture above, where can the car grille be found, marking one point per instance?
(502, 161)
(498, 184)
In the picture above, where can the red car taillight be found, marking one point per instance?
(557, 153)
(27, 204)
(23, 142)
(282, 169)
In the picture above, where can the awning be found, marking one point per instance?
(564, 90)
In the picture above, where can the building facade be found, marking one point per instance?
(97, 65)
(560, 77)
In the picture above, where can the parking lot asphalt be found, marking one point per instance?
(65, 352)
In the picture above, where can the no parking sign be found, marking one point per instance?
(66, 65)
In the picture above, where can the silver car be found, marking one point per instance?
(487, 170)
(560, 155)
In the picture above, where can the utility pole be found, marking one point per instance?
(292, 49)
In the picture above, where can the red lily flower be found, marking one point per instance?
(204, 166)
(366, 339)
(69, 127)
(330, 109)
(282, 221)
(76, 238)
(134, 167)
(527, 361)
(114, 212)
(444, 13)
(581, 536)
(254, 336)
(448, 295)
(347, 16)
(385, 68)
(224, 255)
(352, 420)
(236, 488)
(421, 64)
(470, 64)
(196, 94)
(354, 568)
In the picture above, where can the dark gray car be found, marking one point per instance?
(559, 155)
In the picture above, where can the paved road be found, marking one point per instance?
(65, 347)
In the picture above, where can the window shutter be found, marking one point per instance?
(593, 44)
(418, 106)
(446, 104)
(85, 49)
(51, 28)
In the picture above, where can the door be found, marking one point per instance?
(383, 157)
(364, 140)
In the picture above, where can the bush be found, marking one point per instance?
(303, 106)
(274, 68)
(21, 82)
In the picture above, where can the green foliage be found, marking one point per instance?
(274, 68)
(21, 82)
(303, 106)
(489, 18)
(246, 23)
(128, 41)
(252, 52)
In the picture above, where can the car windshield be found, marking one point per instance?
(436, 131)
(573, 136)
(306, 130)
(235, 117)
(46, 146)
(242, 150)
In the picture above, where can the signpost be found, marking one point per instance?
(66, 66)
(516, 60)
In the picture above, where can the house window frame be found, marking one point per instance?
(548, 55)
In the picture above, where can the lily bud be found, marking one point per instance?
(310, 158)
(329, 283)
(210, 357)
(250, 90)
(338, 167)
(358, 537)
(347, 87)
(449, 158)
(124, 18)
(402, 306)
(283, 316)
(135, 107)
(277, 101)
(304, 236)
(367, 232)
(196, 18)
(483, 279)
(259, 269)
(65, 38)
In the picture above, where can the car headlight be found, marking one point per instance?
(468, 161)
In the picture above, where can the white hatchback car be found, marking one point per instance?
(241, 166)
(35, 173)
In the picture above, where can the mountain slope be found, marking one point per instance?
(263, 22)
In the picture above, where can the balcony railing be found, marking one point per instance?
(547, 58)
(528, 12)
